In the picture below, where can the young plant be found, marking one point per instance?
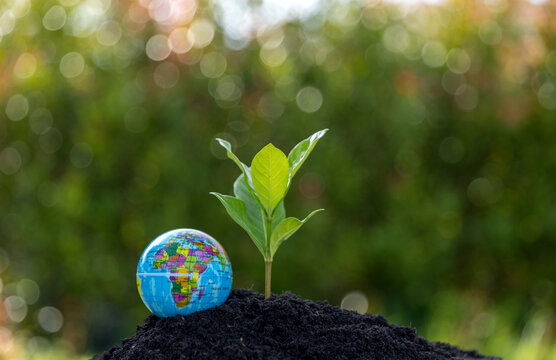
(258, 205)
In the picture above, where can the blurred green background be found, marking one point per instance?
(438, 173)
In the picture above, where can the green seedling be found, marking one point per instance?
(258, 204)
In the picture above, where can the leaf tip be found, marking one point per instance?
(321, 133)
(224, 143)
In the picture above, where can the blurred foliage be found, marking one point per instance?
(437, 175)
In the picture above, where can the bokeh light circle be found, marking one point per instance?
(72, 65)
(16, 308)
(270, 106)
(158, 48)
(356, 301)
(458, 61)
(396, 38)
(7, 23)
(10, 161)
(180, 42)
(201, 33)
(20, 8)
(55, 18)
(51, 141)
(40, 120)
(309, 99)
(25, 66)
(81, 155)
(50, 319)
(273, 56)
(166, 75)
(451, 150)
(227, 88)
(213, 64)
(17, 107)
(28, 290)
(433, 54)
(467, 97)
(482, 192)
(490, 32)
(109, 33)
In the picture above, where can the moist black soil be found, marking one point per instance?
(284, 326)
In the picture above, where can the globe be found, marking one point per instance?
(183, 271)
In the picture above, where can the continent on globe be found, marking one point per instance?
(195, 267)
(181, 260)
(183, 288)
(139, 286)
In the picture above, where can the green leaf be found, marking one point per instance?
(238, 212)
(253, 208)
(301, 151)
(244, 168)
(279, 214)
(270, 174)
(285, 229)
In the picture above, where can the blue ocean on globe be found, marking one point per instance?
(183, 271)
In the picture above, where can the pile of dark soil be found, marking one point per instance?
(282, 327)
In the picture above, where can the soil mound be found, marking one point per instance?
(282, 327)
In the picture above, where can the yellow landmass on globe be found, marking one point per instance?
(182, 287)
(139, 286)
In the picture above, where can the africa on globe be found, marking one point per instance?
(183, 271)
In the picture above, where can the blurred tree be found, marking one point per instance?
(437, 175)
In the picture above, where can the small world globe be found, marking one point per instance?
(183, 271)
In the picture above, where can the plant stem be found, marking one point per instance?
(267, 270)
(268, 259)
